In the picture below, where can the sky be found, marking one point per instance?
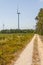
(28, 11)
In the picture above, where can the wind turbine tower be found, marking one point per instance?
(3, 26)
(18, 18)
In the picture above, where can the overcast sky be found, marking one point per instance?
(28, 9)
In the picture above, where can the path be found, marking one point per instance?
(36, 57)
(40, 47)
(32, 54)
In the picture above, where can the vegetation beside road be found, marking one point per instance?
(39, 24)
(11, 45)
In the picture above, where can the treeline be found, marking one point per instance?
(39, 24)
(17, 31)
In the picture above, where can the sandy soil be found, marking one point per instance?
(26, 56)
(40, 48)
(32, 54)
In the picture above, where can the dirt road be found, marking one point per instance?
(40, 48)
(32, 54)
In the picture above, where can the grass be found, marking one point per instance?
(11, 46)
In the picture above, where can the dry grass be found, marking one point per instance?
(11, 46)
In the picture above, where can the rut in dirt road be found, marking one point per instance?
(36, 57)
(26, 56)
(32, 54)
(40, 47)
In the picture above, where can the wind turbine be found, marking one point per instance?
(3, 26)
(18, 18)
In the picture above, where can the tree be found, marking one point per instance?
(39, 24)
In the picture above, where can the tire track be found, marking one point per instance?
(35, 57)
(40, 48)
(26, 56)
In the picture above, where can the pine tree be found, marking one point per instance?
(39, 24)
